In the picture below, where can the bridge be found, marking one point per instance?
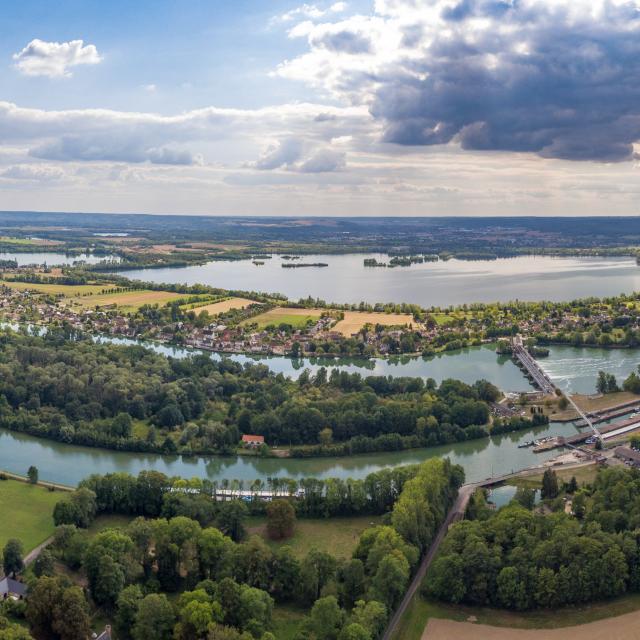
(542, 380)
(532, 368)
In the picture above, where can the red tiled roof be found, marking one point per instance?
(252, 438)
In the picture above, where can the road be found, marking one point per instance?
(455, 513)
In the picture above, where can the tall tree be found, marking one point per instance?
(12, 561)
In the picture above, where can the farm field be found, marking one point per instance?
(66, 290)
(129, 300)
(337, 536)
(26, 513)
(297, 318)
(216, 308)
(355, 320)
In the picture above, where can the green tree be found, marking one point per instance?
(231, 518)
(326, 618)
(281, 519)
(549, 484)
(32, 474)
(390, 580)
(154, 619)
(126, 610)
(12, 561)
(44, 564)
(71, 620)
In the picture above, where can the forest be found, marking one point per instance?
(71, 389)
(165, 576)
(519, 558)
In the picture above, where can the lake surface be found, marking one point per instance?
(53, 259)
(442, 283)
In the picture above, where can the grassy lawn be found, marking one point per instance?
(286, 621)
(26, 513)
(585, 474)
(109, 521)
(297, 318)
(415, 619)
(338, 536)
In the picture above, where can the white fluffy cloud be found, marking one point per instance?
(311, 11)
(54, 59)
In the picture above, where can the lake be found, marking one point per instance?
(442, 283)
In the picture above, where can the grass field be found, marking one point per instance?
(585, 474)
(421, 611)
(297, 318)
(215, 308)
(26, 512)
(286, 622)
(355, 320)
(338, 536)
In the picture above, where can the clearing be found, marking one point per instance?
(337, 536)
(355, 320)
(297, 318)
(222, 306)
(27, 512)
(625, 627)
(427, 619)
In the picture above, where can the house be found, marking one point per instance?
(628, 456)
(252, 441)
(105, 635)
(10, 588)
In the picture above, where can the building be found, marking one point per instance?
(10, 588)
(628, 456)
(105, 635)
(252, 441)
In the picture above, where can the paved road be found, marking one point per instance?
(455, 513)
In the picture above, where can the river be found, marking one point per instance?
(68, 464)
(442, 283)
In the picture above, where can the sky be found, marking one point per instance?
(356, 107)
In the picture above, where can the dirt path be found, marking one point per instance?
(625, 627)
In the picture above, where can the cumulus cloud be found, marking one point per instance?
(556, 78)
(38, 173)
(294, 154)
(324, 161)
(54, 59)
(116, 136)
